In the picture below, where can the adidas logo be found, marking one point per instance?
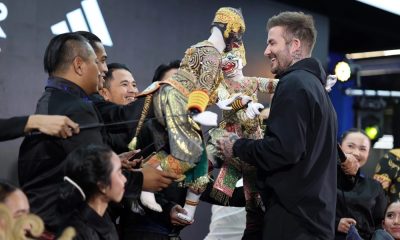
(3, 15)
(79, 21)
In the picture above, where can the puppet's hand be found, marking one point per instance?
(206, 118)
(330, 82)
(253, 109)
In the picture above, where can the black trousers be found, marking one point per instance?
(280, 224)
(254, 224)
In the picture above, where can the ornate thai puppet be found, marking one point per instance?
(179, 105)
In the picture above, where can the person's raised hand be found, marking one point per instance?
(155, 180)
(351, 165)
(53, 125)
(127, 160)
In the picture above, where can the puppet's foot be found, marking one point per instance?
(148, 200)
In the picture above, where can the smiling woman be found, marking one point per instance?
(362, 205)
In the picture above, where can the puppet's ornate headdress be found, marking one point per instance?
(231, 18)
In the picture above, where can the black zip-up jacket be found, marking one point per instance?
(296, 159)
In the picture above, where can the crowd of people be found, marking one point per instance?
(115, 162)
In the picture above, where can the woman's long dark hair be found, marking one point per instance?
(87, 167)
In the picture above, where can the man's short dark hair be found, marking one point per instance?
(111, 68)
(296, 24)
(62, 50)
(91, 37)
(162, 69)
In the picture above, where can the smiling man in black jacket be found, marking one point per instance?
(297, 157)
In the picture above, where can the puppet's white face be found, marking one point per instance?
(232, 65)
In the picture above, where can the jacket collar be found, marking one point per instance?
(66, 86)
(310, 65)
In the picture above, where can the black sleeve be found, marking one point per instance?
(284, 142)
(113, 113)
(119, 136)
(12, 128)
(346, 182)
(85, 136)
(134, 183)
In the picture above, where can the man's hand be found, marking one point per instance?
(127, 160)
(344, 224)
(351, 165)
(265, 113)
(53, 125)
(225, 145)
(155, 180)
(175, 220)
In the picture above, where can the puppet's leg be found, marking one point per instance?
(162, 163)
(148, 200)
(196, 179)
(191, 202)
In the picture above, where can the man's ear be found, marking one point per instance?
(295, 45)
(78, 65)
(105, 93)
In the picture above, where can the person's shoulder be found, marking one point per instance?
(56, 96)
(54, 101)
(83, 230)
(300, 75)
(296, 79)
